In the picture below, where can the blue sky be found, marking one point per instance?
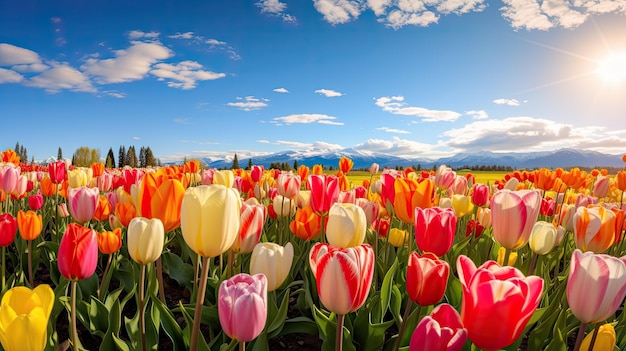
(414, 78)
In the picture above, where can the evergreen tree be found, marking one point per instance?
(131, 157)
(59, 154)
(235, 162)
(142, 157)
(250, 164)
(150, 160)
(295, 164)
(121, 158)
(17, 148)
(110, 160)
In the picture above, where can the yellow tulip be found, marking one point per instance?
(146, 238)
(272, 260)
(605, 341)
(80, 177)
(346, 225)
(512, 257)
(24, 315)
(224, 177)
(210, 218)
(397, 237)
(462, 205)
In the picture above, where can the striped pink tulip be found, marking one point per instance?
(435, 228)
(83, 202)
(242, 306)
(441, 330)
(513, 214)
(250, 228)
(343, 275)
(596, 285)
(288, 184)
(324, 192)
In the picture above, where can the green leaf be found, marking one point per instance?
(370, 337)
(170, 326)
(120, 344)
(279, 315)
(115, 318)
(299, 325)
(202, 345)
(385, 289)
(454, 293)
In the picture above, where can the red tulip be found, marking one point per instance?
(343, 275)
(35, 202)
(497, 302)
(78, 252)
(435, 228)
(426, 278)
(480, 195)
(8, 229)
(324, 192)
(441, 330)
(57, 172)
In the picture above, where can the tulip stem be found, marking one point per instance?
(197, 316)
(405, 317)
(533, 263)
(242, 346)
(581, 334)
(505, 261)
(142, 317)
(594, 336)
(4, 269)
(73, 316)
(159, 269)
(229, 267)
(339, 333)
(30, 264)
(104, 277)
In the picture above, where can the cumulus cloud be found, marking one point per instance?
(128, 64)
(480, 114)
(62, 77)
(263, 141)
(184, 75)
(306, 118)
(281, 90)
(509, 102)
(11, 55)
(400, 147)
(8, 76)
(137, 34)
(393, 130)
(215, 42)
(338, 11)
(397, 106)
(276, 8)
(328, 92)
(249, 103)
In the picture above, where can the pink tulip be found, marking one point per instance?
(251, 227)
(480, 195)
(242, 306)
(387, 189)
(347, 197)
(601, 186)
(9, 177)
(596, 285)
(324, 192)
(444, 177)
(83, 202)
(459, 186)
(435, 229)
(35, 202)
(288, 185)
(206, 176)
(513, 214)
(256, 173)
(343, 275)
(441, 330)
(105, 182)
(497, 302)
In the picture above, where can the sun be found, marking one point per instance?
(612, 68)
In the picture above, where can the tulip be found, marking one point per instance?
(83, 202)
(105, 182)
(543, 237)
(242, 306)
(10, 156)
(605, 340)
(306, 224)
(8, 230)
(347, 197)
(444, 177)
(324, 192)
(397, 237)
(435, 229)
(459, 186)
(57, 172)
(304, 199)
(374, 168)
(79, 177)
(426, 278)
(594, 229)
(317, 170)
(381, 226)
(601, 187)
(161, 197)
(345, 164)
(411, 194)
(78, 252)
(441, 330)
(596, 285)
(371, 209)
(480, 195)
(283, 206)
(513, 214)
(103, 209)
(109, 241)
(146, 238)
(272, 260)
(224, 177)
(29, 224)
(385, 186)
(343, 275)
(462, 205)
(288, 185)
(256, 172)
(252, 221)
(35, 202)
(125, 212)
(497, 302)
(548, 207)
(24, 315)
(620, 180)
(9, 176)
(346, 225)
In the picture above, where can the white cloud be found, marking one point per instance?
(8, 76)
(397, 106)
(510, 102)
(136, 138)
(184, 75)
(304, 118)
(31, 68)
(400, 13)
(338, 11)
(115, 94)
(249, 103)
(215, 42)
(328, 92)
(263, 141)
(180, 120)
(275, 8)
(186, 35)
(129, 64)
(332, 123)
(392, 130)
(480, 114)
(401, 148)
(11, 55)
(137, 34)
(61, 76)
(281, 90)
(295, 144)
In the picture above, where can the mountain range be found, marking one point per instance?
(563, 158)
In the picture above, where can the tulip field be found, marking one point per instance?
(189, 258)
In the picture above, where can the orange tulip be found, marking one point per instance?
(161, 197)
(97, 169)
(29, 224)
(103, 209)
(410, 194)
(594, 229)
(110, 241)
(124, 212)
(48, 188)
(345, 164)
(10, 156)
(303, 172)
(306, 224)
(575, 178)
(620, 180)
(317, 170)
(544, 179)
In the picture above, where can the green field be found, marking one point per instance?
(483, 177)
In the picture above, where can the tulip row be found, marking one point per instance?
(407, 260)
